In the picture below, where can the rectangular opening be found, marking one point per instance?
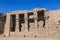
(21, 20)
(30, 19)
(12, 23)
(40, 15)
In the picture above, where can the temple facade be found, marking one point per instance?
(34, 23)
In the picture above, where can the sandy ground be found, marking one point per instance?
(17, 38)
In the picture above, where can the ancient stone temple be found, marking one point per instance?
(25, 23)
(36, 23)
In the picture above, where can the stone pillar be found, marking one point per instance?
(17, 23)
(35, 20)
(7, 26)
(26, 22)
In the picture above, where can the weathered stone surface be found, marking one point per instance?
(36, 23)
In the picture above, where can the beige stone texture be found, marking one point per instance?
(36, 30)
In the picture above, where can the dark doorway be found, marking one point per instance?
(30, 20)
(40, 15)
(13, 23)
(21, 20)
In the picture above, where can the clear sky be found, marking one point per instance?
(12, 5)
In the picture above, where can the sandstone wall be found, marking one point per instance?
(50, 30)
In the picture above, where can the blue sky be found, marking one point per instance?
(13, 5)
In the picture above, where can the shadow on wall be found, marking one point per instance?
(2, 23)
